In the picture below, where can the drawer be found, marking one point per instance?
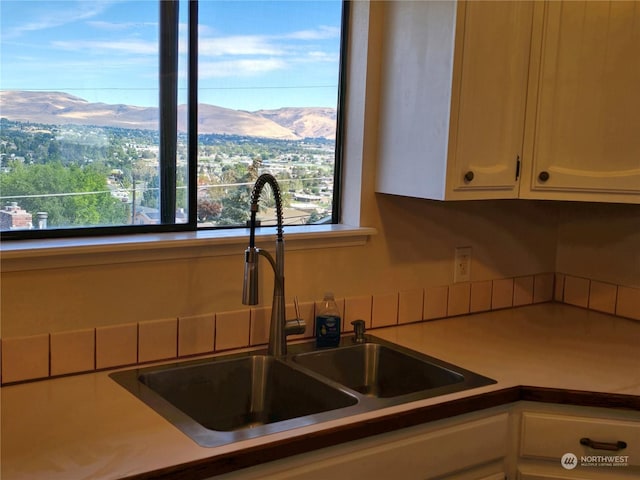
(550, 436)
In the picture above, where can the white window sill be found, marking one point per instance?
(72, 252)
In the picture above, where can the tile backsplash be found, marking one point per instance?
(603, 297)
(25, 358)
(157, 340)
(63, 353)
(72, 352)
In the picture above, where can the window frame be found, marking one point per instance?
(168, 73)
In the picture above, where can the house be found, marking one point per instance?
(13, 217)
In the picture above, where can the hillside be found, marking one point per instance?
(63, 108)
(305, 122)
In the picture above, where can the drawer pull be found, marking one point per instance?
(611, 446)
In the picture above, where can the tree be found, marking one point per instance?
(208, 209)
(71, 195)
(235, 206)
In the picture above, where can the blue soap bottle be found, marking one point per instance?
(328, 322)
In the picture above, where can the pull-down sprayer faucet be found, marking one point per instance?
(280, 327)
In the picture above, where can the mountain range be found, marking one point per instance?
(290, 123)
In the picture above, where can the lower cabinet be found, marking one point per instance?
(521, 441)
(561, 442)
(462, 448)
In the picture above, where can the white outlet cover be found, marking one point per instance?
(462, 265)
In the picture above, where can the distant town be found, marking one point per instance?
(63, 176)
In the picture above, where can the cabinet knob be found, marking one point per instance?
(543, 176)
(468, 176)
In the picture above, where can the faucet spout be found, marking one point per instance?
(278, 329)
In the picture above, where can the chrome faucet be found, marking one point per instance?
(280, 327)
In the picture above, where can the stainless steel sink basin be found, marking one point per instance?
(229, 398)
(244, 392)
(378, 371)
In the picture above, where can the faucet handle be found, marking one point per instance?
(297, 325)
(297, 307)
(358, 330)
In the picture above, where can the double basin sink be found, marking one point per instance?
(229, 398)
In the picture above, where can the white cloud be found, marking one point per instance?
(269, 45)
(321, 33)
(238, 45)
(121, 26)
(323, 56)
(242, 68)
(253, 55)
(134, 47)
(57, 16)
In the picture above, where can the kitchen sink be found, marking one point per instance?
(229, 398)
(378, 371)
(244, 392)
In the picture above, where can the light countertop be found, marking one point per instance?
(88, 426)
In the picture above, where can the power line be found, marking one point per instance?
(43, 195)
(98, 192)
(152, 89)
(268, 87)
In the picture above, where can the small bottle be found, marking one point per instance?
(328, 322)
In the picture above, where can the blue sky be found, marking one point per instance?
(253, 54)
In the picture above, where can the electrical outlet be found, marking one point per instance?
(462, 265)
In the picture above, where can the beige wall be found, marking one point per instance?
(599, 241)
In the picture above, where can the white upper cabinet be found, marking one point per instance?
(488, 101)
(583, 134)
(511, 99)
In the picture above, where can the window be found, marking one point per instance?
(135, 116)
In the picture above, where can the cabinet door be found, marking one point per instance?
(585, 112)
(488, 111)
(453, 92)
